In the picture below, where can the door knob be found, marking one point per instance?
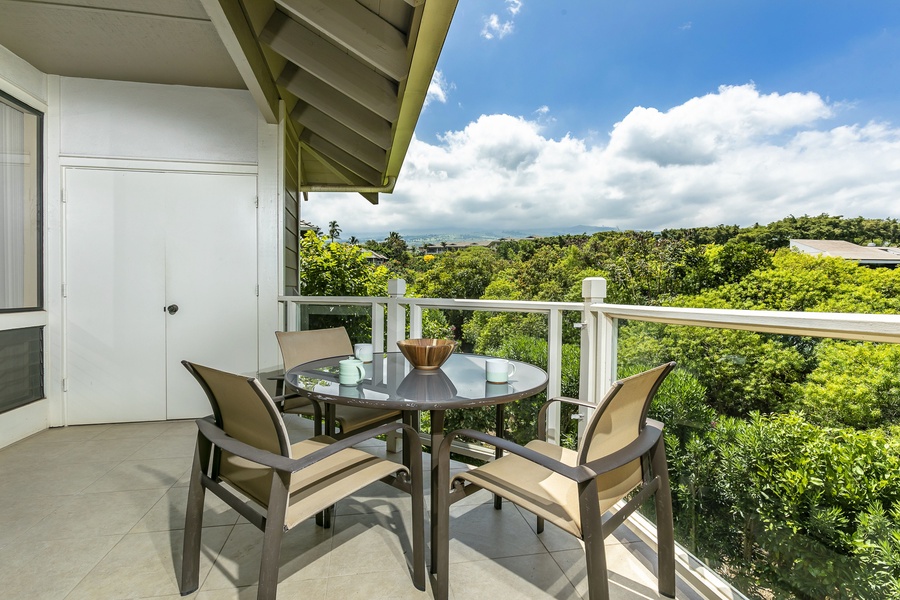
(172, 309)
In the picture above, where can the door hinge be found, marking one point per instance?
(62, 195)
(256, 202)
(65, 385)
(257, 290)
(63, 290)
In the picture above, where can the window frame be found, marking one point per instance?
(15, 103)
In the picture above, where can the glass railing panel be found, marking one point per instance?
(356, 319)
(784, 456)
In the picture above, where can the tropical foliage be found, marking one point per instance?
(784, 451)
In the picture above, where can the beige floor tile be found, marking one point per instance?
(145, 565)
(53, 479)
(39, 570)
(168, 512)
(304, 555)
(393, 585)
(133, 431)
(72, 433)
(533, 577)
(19, 514)
(106, 513)
(167, 445)
(101, 450)
(479, 531)
(141, 475)
(368, 543)
(32, 454)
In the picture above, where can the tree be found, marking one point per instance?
(333, 230)
(353, 240)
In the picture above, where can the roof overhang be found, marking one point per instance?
(353, 76)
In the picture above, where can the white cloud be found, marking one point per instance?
(437, 89)
(495, 28)
(735, 156)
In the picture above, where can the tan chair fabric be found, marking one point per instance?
(298, 347)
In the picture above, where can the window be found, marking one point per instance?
(20, 206)
(21, 367)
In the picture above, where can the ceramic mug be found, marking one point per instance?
(363, 352)
(498, 370)
(351, 371)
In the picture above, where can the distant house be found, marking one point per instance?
(374, 258)
(452, 246)
(867, 256)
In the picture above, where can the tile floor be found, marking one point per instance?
(97, 512)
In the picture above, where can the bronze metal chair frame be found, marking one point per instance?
(649, 447)
(212, 440)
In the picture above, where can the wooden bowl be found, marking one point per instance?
(427, 353)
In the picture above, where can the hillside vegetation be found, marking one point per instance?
(784, 451)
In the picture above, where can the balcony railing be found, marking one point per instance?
(397, 317)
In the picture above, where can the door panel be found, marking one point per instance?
(211, 277)
(115, 330)
(136, 243)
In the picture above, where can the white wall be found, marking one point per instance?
(109, 124)
(160, 122)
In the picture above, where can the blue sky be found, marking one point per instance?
(649, 114)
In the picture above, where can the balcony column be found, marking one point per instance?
(598, 358)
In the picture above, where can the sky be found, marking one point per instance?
(648, 114)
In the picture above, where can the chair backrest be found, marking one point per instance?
(622, 414)
(298, 347)
(243, 409)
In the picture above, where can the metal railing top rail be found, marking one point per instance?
(445, 303)
(849, 326)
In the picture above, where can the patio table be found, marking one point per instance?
(392, 383)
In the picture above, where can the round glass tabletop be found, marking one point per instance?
(391, 382)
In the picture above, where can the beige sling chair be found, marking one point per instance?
(622, 452)
(247, 447)
(298, 347)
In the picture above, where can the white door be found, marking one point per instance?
(137, 243)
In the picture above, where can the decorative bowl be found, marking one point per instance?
(427, 353)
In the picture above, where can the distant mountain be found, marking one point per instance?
(417, 238)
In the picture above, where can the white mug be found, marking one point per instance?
(351, 371)
(498, 370)
(363, 352)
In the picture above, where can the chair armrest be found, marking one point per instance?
(645, 441)
(292, 465)
(542, 412)
(577, 473)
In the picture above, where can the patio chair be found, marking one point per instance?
(622, 454)
(245, 444)
(298, 347)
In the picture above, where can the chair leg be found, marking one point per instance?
(594, 548)
(193, 526)
(665, 530)
(274, 531)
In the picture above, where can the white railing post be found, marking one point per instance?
(291, 308)
(592, 371)
(396, 331)
(396, 313)
(554, 371)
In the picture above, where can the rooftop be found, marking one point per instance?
(864, 255)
